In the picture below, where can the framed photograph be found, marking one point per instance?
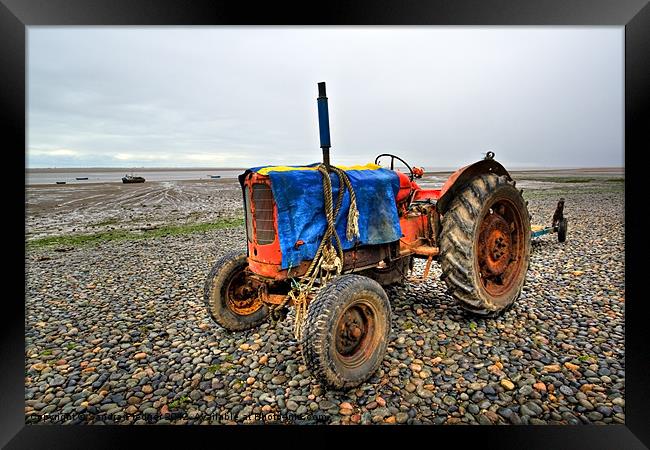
(409, 216)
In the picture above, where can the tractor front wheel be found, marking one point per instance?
(485, 245)
(230, 297)
(346, 331)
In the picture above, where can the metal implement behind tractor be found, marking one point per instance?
(477, 227)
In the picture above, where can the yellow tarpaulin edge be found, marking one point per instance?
(266, 170)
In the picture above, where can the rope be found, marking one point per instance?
(328, 259)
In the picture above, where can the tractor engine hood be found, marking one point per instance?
(299, 201)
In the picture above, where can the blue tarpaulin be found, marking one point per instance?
(298, 193)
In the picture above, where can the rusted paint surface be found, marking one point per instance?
(262, 257)
(426, 194)
(354, 260)
(414, 228)
(274, 299)
(495, 242)
(425, 250)
(242, 294)
(357, 334)
(501, 246)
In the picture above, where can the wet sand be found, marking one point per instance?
(93, 207)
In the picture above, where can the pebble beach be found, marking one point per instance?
(116, 330)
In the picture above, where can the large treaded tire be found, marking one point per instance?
(460, 241)
(324, 316)
(215, 295)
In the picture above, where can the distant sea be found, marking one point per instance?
(433, 179)
(51, 176)
(114, 175)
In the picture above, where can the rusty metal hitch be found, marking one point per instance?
(559, 224)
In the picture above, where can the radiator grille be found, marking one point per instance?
(249, 214)
(263, 201)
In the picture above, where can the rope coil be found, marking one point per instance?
(328, 259)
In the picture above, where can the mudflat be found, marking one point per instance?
(94, 207)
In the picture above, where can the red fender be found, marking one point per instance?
(462, 176)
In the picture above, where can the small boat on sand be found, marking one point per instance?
(214, 176)
(81, 178)
(60, 182)
(132, 179)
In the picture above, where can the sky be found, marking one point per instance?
(439, 97)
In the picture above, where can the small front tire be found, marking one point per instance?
(346, 331)
(230, 298)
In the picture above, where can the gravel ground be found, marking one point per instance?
(118, 334)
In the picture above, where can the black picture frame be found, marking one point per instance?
(634, 15)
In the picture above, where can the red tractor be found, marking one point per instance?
(476, 226)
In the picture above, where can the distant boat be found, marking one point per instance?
(81, 178)
(60, 182)
(214, 176)
(132, 179)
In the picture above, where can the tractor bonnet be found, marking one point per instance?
(298, 194)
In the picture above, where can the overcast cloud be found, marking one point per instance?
(245, 96)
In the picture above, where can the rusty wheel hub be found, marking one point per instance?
(351, 331)
(500, 248)
(355, 337)
(496, 244)
(242, 295)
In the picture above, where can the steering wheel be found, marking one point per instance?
(392, 163)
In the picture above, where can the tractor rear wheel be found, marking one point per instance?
(346, 331)
(230, 297)
(485, 245)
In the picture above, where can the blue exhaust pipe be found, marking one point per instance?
(324, 123)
